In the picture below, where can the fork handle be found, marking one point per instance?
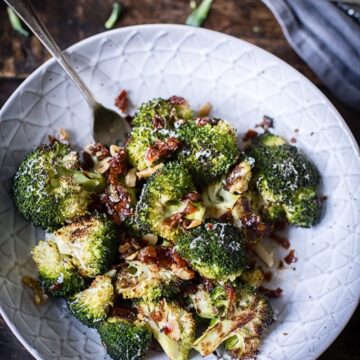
(25, 10)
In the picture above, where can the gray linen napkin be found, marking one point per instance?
(327, 40)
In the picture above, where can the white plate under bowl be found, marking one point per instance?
(243, 83)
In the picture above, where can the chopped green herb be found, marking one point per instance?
(116, 11)
(199, 14)
(16, 22)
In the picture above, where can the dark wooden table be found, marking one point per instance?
(70, 21)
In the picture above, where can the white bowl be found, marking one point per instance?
(243, 83)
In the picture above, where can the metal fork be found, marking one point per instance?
(108, 126)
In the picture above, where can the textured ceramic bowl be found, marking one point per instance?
(243, 83)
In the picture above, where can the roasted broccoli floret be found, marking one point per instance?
(154, 137)
(286, 178)
(209, 150)
(164, 204)
(50, 189)
(57, 273)
(216, 250)
(212, 303)
(253, 278)
(172, 326)
(93, 304)
(92, 241)
(218, 201)
(241, 329)
(150, 281)
(162, 113)
(304, 207)
(244, 211)
(125, 340)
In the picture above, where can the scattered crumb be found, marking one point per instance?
(293, 140)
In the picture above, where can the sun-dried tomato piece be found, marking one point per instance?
(118, 203)
(147, 254)
(122, 101)
(177, 100)
(118, 166)
(162, 149)
(271, 293)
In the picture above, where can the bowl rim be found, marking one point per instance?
(157, 26)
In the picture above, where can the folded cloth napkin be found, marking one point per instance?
(327, 40)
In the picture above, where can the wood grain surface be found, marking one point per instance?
(72, 20)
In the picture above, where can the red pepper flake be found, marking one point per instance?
(296, 130)
(271, 293)
(266, 123)
(250, 134)
(283, 241)
(293, 140)
(167, 330)
(290, 257)
(177, 100)
(122, 101)
(209, 226)
(285, 334)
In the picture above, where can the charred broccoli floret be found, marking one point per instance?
(57, 273)
(172, 326)
(164, 203)
(91, 241)
(209, 150)
(125, 340)
(216, 250)
(50, 189)
(154, 138)
(237, 181)
(241, 329)
(285, 177)
(149, 281)
(93, 304)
